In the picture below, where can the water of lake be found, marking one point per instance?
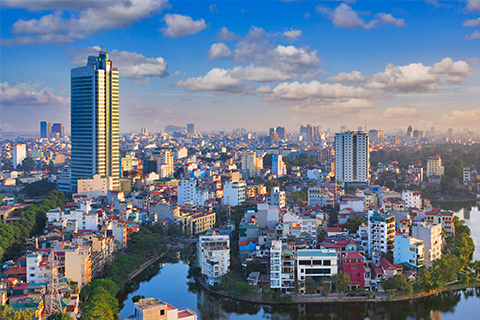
(167, 280)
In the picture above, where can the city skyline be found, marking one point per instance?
(256, 65)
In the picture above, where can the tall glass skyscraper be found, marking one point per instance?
(95, 120)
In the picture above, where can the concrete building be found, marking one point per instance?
(281, 132)
(319, 197)
(431, 236)
(353, 264)
(408, 250)
(316, 263)
(352, 158)
(94, 187)
(277, 198)
(78, 264)
(86, 219)
(58, 130)
(282, 267)
(434, 166)
(19, 154)
(213, 256)
(278, 166)
(95, 120)
(467, 177)
(38, 270)
(234, 193)
(381, 232)
(252, 164)
(155, 309)
(413, 199)
(194, 224)
(165, 164)
(188, 190)
(445, 218)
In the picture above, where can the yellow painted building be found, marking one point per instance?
(194, 224)
(78, 264)
(434, 166)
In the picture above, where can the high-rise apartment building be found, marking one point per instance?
(19, 153)
(434, 166)
(191, 128)
(282, 133)
(95, 120)
(278, 166)
(352, 157)
(165, 164)
(58, 128)
(252, 165)
(45, 129)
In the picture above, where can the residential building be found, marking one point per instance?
(282, 266)
(155, 309)
(277, 198)
(194, 224)
(316, 263)
(278, 166)
(86, 219)
(281, 132)
(445, 218)
(78, 264)
(213, 256)
(189, 190)
(408, 250)
(319, 197)
(94, 187)
(19, 154)
(234, 193)
(353, 264)
(413, 199)
(38, 270)
(467, 177)
(252, 164)
(165, 164)
(191, 129)
(45, 129)
(381, 232)
(434, 166)
(95, 120)
(352, 158)
(431, 235)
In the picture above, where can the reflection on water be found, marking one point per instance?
(167, 280)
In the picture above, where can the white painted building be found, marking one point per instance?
(37, 269)
(278, 166)
(213, 256)
(319, 197)
(252, 164)
(316, 263)
(413, 199)
(234, 193)
(165, 164)
(431, 235)
(282, 267)
(96, 186)
(352, 157)
(277, 198)
(86, 219)
(381, 232)
(19, 153)
(409, 250)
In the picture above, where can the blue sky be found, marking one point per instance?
(251, 64)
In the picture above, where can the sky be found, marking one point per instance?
(248, 64)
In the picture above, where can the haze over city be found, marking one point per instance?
(232, 64)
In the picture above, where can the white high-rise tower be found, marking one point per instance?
(352, 157)
(95, 120)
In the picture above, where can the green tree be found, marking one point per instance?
(310, 285)
(27, 164)
(101, 305)
(137, 298)
(398, 283)
(326, 287)
(352, 224)
(342, 281)
(7, 313)
(59, 316)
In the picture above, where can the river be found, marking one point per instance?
(167, 280)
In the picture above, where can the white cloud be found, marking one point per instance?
(213, 8)
(216, 80)
(181, 26)
(344, 16)
(473, 36)
(88, 18)
(403, 112)
(461, 118)
(434, 3)
(387, 18)
(414, 77)
(293, 34)
(25, 95)
(219, 51)
(471, 22)
(226, 35)
(314, 89)
(473, 5)
(130, 64)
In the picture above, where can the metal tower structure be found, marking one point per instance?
(53, 301)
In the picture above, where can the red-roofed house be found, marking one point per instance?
(354, 266)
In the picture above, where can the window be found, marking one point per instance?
(162, 312)
(326, 262)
